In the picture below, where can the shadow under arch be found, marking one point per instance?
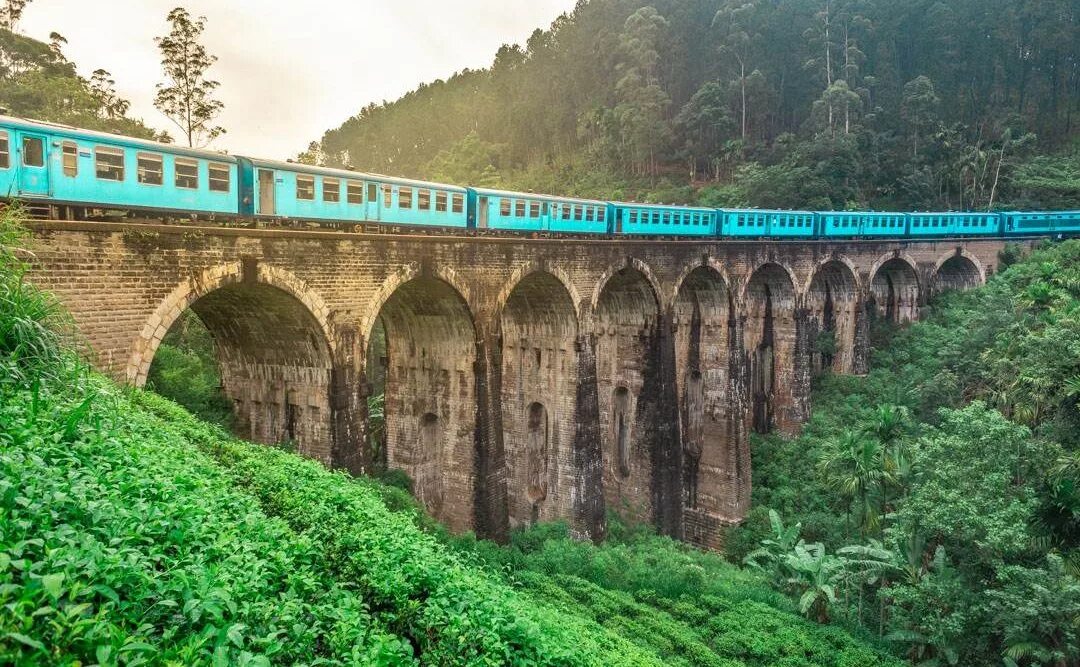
(716, 468)
(430, 394)
(895, 290)
(273, 349)
(957, 271)
(770, 340)
(538, 332)
(832, 307)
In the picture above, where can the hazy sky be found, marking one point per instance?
(291, 69)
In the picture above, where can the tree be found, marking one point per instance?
(103, 88)
(644, 101)
(187, 97)
(703, 125)
(919, 108)
(10, 13)
(737, 22)
(852, 464)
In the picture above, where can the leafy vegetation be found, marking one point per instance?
(942, 514)
(185, 369)
(801, 104)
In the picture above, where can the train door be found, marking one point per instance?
(373, 203)
(266, 192)
(33, 165)
(482, 213)
(618, 213)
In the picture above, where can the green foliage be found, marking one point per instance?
(185, 369)
(957, 457)
(187, 96)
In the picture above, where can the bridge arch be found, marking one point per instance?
(958, 270)
(770, 334)
(895, 290)
(274, 347)
(715, 460)
(625, 323)
(538, 333)
(430, 401)
(832, 302)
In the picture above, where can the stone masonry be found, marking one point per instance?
(526, 379)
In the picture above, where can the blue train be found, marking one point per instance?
(79, 173)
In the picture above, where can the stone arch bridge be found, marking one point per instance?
(525, 379)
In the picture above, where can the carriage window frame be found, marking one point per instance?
(5, 150)
(405, 197)
(305, 187)
(423, 199)
(69, 168)
(117, 169)
(142, 161)
(331, 190)
(373, 192)
(185, 181)
(458, 202)
(354, 193)
(589, 213)
(219, 177)
(534, 209)
(38, 153)
(440, 201)
(519, 208)
(388, 196)
(506, 207)
(601, 214)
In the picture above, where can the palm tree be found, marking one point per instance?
(889, 426)
(853, 466)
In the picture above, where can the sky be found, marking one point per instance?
(289, 69)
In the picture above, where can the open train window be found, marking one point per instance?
(505, 207)
(404, 198)
(387, 196)
(70, 163)
(424, 197)
(331, 190)
(440, 202)
(459, 203)
(109, 163)
(33, 154)
(5, 152)
(305, 187)
(519, 208)
(633, 217)
(534, 209)
(354, 192)
(219, 177)
(590, 213)
(567, 210)
(600, 214)
(148, 168)
(187, 174)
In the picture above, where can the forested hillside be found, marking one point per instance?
(912, 104)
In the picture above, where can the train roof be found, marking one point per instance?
(533, 195)
(108, 137)
(765, 210)
(665, 207)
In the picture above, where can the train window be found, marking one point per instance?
(70, 158)
(423, 200)
(633, 217)
(440, 202)
(148, 168)
(109, 163)
(33, 152)
(505, 207)
(519, 208)
(387, 196)
(601, 214)
(657, 217)
(458, 203)
(566, 211)
(219, 177)
(305, 187)
(187, 174)
(590, 213)
(331, 190)
(404, 198)
(372, 192)
(534, 209)
(354, 192)
(5, 157)
(578, 212)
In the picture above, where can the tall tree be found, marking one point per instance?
(187, 97)
(103, 87)
(10, 13)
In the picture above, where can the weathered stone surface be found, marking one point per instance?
(526, 379)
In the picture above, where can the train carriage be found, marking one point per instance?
(68, 166)
(304, 192)
(755, 223)
(659, 220)
(1048, 222)
(853, 224)
(530, 212)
